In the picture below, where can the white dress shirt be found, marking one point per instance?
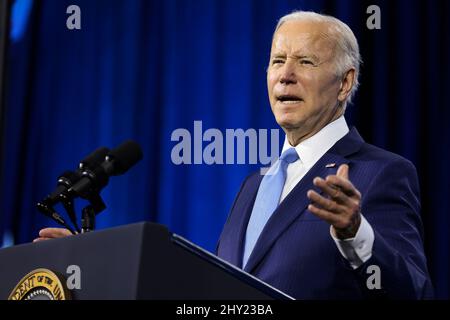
(356, 250)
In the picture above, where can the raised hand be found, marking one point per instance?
(341, 204)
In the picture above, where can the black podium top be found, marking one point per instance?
(138, 261)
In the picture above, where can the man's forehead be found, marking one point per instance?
(305, 27)
(301, 36)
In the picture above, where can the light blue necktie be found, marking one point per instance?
(267, 200)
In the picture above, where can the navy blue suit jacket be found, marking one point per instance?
(295, 252)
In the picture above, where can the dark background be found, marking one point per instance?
(140, 69)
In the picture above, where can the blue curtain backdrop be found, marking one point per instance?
(140, 69)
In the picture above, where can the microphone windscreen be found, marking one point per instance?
(125, 156)
(94, 159)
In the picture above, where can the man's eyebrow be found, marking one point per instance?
(296, 55)
(307, 55)
(278, 55)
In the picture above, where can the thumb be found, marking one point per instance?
(343, 171)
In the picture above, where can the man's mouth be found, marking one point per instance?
(289, 99)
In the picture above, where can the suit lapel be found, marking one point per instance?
(294, 205)
(238, 226)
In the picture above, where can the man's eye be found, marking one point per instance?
(277, 61)
(306, 62)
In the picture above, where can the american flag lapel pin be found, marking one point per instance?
(330, 165)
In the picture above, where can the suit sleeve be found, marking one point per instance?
(392, 207)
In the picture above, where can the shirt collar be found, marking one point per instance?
(313, 148)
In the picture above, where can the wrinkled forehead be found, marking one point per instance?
(303, 38)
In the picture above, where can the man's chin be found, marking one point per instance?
(287, 124)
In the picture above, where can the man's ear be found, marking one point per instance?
(346, 85)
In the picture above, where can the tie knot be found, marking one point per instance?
(289, 156)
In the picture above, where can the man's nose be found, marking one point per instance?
(288, 75)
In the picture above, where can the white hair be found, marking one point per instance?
(349, 56)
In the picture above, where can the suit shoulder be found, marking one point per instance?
(373, 153)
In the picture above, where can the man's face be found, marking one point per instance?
(302, 83)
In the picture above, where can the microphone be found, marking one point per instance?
(65, 181)
(69, 178)
(94, 159)
(87, 182)
(117, 162)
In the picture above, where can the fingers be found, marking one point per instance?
(339, 205)
(41, 239)
(343, 171)
(327, 204)
(52, 233)
(344, 184)
(335, 185)
(323, 214)
(331, 190)
(341, 218)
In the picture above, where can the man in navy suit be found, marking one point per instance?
(335, 217)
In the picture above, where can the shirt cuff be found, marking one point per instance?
(357, 250)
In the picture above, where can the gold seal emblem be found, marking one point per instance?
(40, 284)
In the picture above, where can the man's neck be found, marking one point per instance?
(312, 148)
(295, 137)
